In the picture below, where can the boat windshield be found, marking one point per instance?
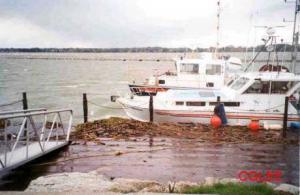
(274, 87)
(190, 68)
(213, 69)
(239, 83)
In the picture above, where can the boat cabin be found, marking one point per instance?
(194, 73)
(200, 67)
(266, 83)
(250, 91)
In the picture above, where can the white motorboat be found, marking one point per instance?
(259, 95)
(205, 72)
(252, 95)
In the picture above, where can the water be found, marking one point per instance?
(57, 80)
(165, 160)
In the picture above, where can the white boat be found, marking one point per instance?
(205, 72)
(259, 95)
(253, 95)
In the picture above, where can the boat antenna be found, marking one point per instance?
(295, 35)
(270, 32)
(218, 27)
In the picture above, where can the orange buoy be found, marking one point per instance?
(215, 121)
(254, 125)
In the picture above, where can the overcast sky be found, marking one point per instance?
(138, 23)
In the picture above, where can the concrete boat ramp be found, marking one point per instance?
(24, 138)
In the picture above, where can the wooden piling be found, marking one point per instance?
(85, 108)
(285, 116)
(151, 108)
(24, 100)
(25, 107)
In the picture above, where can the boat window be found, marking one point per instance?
(195, 103)
(281, 87)
(209, 84)
(179, 103)
(189, 68)
(263, 87)
(238, 84)
(161, 81)
(232, 104)
(213, 69)
(228, 104)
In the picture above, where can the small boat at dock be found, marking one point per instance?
(253, 95)
(271, 95)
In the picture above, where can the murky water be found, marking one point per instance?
(57, 80)
(164, 160)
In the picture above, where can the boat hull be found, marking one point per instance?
(202, 117)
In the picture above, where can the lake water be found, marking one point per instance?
(163, 160)
(58, 80)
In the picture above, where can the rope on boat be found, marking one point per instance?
(117, 108)
(104, 94)
(102, 106)
(10, 103)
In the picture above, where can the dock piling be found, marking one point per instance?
(85, 108)
(151, 108)
(25, 107)
(24, 100)
(285, 116)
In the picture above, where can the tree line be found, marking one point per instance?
(279, 48)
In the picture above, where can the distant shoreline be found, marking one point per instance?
(279, 48)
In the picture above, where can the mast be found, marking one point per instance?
(218, 28)
(295, 37)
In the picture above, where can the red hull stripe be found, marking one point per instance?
(229, 116)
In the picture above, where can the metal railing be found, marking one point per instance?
(31, 136)
(22, 111)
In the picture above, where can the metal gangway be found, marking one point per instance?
(26, 135)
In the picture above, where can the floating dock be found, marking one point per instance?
(24, 138)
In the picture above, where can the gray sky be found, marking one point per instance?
(138, 23)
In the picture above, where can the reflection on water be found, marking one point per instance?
(163, 160)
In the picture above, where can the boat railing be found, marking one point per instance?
(145, 90)
(25, 134)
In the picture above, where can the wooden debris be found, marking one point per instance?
(119, 128)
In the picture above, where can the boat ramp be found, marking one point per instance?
(29, 134)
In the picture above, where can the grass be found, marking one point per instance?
(234, 189)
